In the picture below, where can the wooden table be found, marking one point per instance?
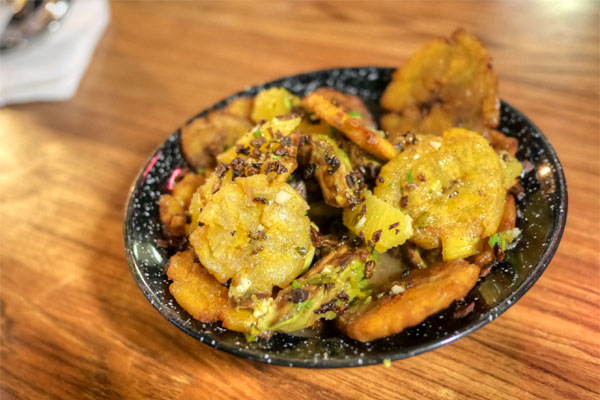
(74, 325)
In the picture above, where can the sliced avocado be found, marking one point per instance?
(334, 172)
(328, 288)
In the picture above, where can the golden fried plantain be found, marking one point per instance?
(273, 102)
(240, 107)
(255, 233)
(172, 215)
(172, 207)
(267, 148)
(448, 83)
(410, 301)
(201, 295)
(351, 126)
(379, 224)
(195, 289)
(205, 137)
(351, 104)
(452, 186)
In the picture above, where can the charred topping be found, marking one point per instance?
(200, 223)
(281, 151)
(404, 201)
(286, 141)
(271, 166)
(361, 235)
(221, 170)
(260, 199)
(256, 143)
(329, 306)
(257, 250)
(376, 236)
(232, 233)
(421, 177)
(253, 169)
(405, 140)
(281, 169)
(351, 180)
(216, 186)
(299, 295)
(336, 305)
(258, 235)
(333, 162)
(394, 225)
(380, 179)
(241, 149)
(369, 268)
(363, 211)
(237, 166)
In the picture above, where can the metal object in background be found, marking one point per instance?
(31, 19)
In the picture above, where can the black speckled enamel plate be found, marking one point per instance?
(542, 217)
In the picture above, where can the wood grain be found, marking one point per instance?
(75, 326)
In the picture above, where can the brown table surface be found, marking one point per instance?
(73, 322)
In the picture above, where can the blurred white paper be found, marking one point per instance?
(50, 67)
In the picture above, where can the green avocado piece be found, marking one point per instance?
(328, 288)
(339, 183)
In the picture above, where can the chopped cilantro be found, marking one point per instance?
(409, 177)
(201, 171)
(275, 158)
(355, 114)
(304, 305)
(295, 284)
(496, 239)
(256, 133)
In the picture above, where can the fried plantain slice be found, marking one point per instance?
(448, 83)
(172, 207)
(453, 187)
(267, 148)
(255, 233)
(378, 223)
(206, 137)
(273, 102)
(409, 301)
(195, 289)
(351, 104)
(351, 126)
(201, 295)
